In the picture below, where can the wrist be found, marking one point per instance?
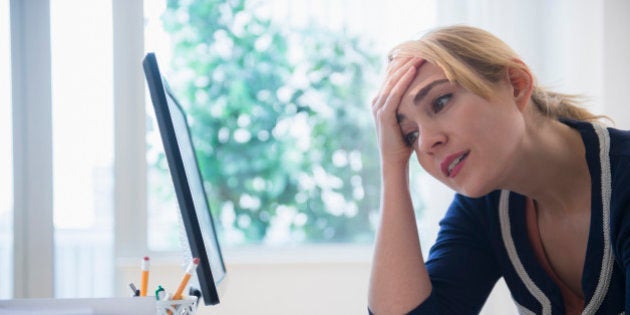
(395, 172)
(399, 166)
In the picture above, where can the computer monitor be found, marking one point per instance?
(189, 188)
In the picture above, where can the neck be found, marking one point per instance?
(551, 168)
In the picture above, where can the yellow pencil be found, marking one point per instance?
(144, 282)
(191, 267)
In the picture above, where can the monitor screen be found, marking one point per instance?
(189, 188)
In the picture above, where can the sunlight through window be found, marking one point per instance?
(276, 94)
(81, 39)
(6, 157)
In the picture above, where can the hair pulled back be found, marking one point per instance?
(475, 59)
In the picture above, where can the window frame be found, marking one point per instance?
(32, 149)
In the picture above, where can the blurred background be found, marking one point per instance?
(277, 95)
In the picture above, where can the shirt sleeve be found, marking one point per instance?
(620, 204)
(620, 221)
(461, 264)
(621, 244)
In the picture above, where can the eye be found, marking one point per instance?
(439, 103)
(411, 138)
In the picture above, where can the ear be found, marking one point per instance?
(522, 83)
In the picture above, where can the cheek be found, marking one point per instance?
(429, 165)
(495, 128)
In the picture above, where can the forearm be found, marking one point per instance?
(399, 280)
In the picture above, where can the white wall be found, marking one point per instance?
(616, 62)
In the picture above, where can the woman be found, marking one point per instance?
(542, 187)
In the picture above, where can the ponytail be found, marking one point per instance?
(475, 59)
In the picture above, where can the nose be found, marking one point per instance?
(430, 140)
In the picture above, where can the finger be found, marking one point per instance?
(397, 63)
(394, 74)
(385, 114)
(403, 61)
(394, 97)
(387, 123)
(397, 69)
(393, 79)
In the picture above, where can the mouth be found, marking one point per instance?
(453, 163)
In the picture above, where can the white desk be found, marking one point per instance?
(87, 306)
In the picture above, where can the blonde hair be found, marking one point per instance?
(476, 59)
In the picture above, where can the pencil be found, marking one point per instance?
(144, 284)
(191, 267)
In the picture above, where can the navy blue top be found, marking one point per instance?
(483, 239)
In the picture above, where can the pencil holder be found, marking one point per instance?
(187, 306)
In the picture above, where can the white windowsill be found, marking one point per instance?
(261, 254)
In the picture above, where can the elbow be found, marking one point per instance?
(397, 303)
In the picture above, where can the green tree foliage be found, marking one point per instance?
(280, 121)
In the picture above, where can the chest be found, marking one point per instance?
(565, 243)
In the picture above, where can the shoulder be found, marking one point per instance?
(468, 222)
(472, 206)
(620, 160)
(619, 147)
(619, 143)
(472, 212)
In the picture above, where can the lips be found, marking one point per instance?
(453, 163)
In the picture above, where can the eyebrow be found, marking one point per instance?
(425, 90)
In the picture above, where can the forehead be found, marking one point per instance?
(427, 73)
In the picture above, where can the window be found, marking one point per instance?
(377, 26)
(277, 95)
(6, 157)
(83, 151)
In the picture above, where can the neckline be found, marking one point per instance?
(573, 302)
(512, 216)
